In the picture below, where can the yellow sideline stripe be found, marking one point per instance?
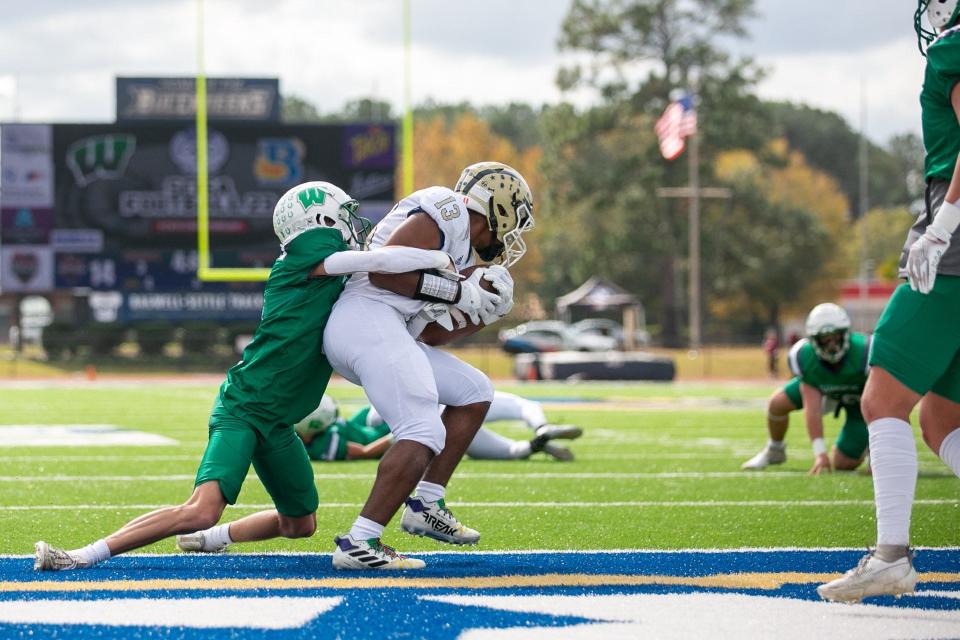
(722, 580)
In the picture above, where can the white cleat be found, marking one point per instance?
(198, 542)
(370, 554)
(872, 577)
(434, 520)
(47, 558)
(560, 431)
(769, 455)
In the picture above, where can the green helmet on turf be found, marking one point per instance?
(941, 14)
(314, 205)
(320, 419)
(828, 330)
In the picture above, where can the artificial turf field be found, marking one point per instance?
(657, 469)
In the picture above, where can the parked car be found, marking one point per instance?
(540, 336)
(611, 328)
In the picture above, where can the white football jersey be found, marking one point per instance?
(447, 209)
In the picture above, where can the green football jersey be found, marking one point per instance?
(941, 132)
(283, 370)
(332, 443)
(843, 381)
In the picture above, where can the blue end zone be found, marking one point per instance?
(386, 612)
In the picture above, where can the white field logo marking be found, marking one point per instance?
(77, 435)
(708, 615)
(249, 613)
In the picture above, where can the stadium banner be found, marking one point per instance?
(26, 269)
(25, 225)
(135, 185)
(246, 99)
(26, 166)
(219, 306)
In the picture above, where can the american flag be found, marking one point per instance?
(678, 121)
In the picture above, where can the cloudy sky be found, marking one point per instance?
(58, 58)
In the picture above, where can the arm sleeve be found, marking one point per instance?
(385, 260)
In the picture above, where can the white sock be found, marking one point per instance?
(950, 450)
(487, 445)
(893, 456)
(430, 492)
(776, 444)
(217, 537)
(364, 529)
(93, 553)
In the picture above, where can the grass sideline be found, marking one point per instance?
(658, 468)
(717, 363)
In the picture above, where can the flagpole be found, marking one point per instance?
(693, 159)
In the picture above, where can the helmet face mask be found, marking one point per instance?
(317, 205)
(828, 330)
(499, 193)
(941, 14)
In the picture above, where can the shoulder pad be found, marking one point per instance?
(944, 54)
(794, 359)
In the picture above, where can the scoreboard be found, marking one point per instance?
(113, 207)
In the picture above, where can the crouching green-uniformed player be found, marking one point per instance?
(830, 369)
(282, 372)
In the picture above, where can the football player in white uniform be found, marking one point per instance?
(371, 341)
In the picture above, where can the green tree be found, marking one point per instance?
(831, 145)
(296, 109)
(606, 161)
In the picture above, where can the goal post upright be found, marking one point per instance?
(205, 272)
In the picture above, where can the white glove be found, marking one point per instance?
(924, 258)
(474, 301)
(503, 282)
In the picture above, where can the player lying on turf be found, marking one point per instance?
(328, 436)
(916, 350)
(407, 380)
(830, 369)
(365, 435)
(275, 384)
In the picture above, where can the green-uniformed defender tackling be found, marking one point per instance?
(276, 384)
(830, 369)
(916, 352)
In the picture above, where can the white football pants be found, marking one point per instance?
(366, 342)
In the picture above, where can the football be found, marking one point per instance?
(435, 335)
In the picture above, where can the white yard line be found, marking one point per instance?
(466, 475)
(511, 505)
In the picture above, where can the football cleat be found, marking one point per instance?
(47, 558)
(198, 542)
(434, 520)
(557, 452)
(549, 432)
(370, 554)
(769, 455)
(872, 577)
(560, 431)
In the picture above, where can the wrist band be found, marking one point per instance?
(947, 219)
(434, 288)
(819, 447)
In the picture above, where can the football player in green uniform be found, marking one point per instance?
(275, 384)
(830, 369)
(916, 350)
(365, 434)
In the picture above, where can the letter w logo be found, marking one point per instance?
(311, 196)
(99, 157)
